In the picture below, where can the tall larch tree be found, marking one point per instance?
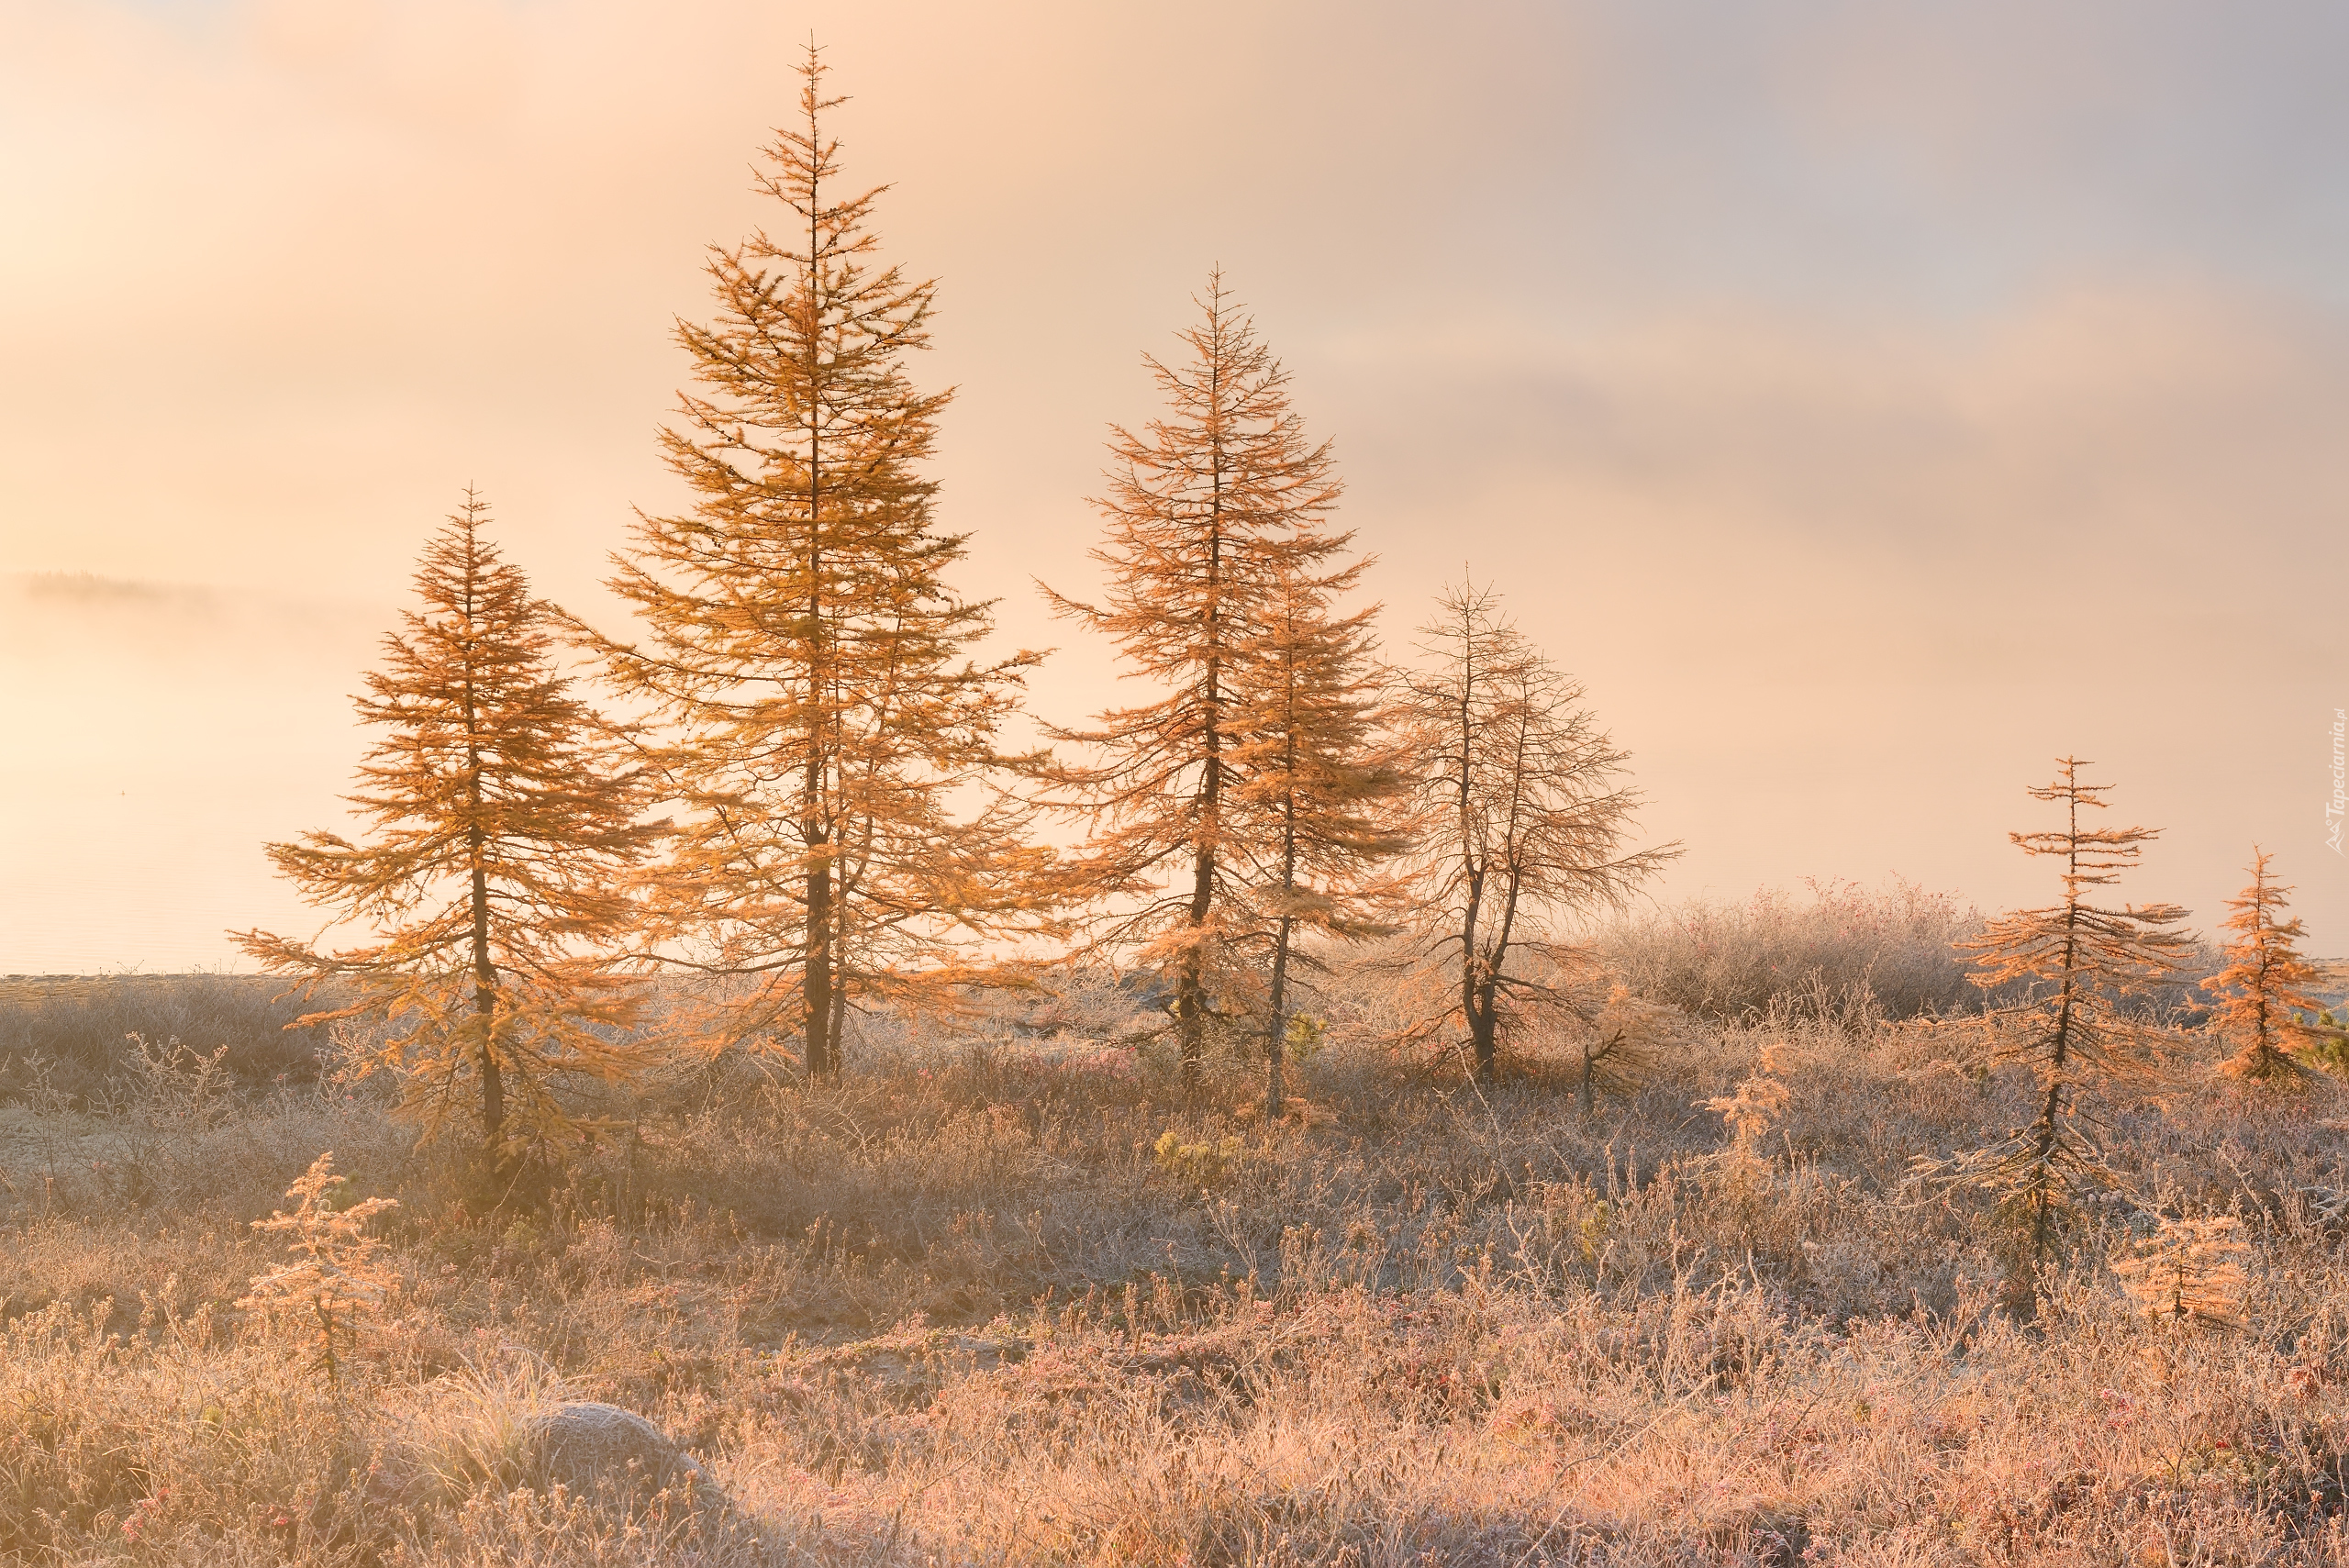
(1524, 813)
(2264, 1000)
(1206, 507)
(1322, 785)
(2072, 961)
(504, 818)
(802, 644)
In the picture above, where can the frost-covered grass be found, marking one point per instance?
(960, 1308)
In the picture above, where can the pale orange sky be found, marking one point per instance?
(1869, 403)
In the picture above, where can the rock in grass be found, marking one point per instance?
(586, 1446)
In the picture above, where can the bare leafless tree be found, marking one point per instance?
(1523, 816)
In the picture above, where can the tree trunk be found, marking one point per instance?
(1276, 1035)
(1190, 983)
(1483, 1027)
(493, 1084)
(1190, 999)
(2042, 1220)
(817, 990)
(1480, 1024)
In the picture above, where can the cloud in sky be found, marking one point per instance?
(1870, 402)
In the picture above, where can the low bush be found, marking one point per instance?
(1838, 951)
(77, 1037)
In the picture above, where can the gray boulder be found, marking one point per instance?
(584, 1445)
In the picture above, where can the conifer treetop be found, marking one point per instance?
(1321, 769)
(2263, 992)
(1207, 509)
(503, 826)
(809, 665)
(482, 736)
(2125, 946)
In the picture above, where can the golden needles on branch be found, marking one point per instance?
(505, 827)
(2189, 1270)
(2071, 959)
(1214, 518)
(2263, 990)
(1321, 786)
(801, 640)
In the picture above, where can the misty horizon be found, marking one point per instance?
(1867, 409)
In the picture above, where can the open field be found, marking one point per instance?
(968, 787)
(972, 1305)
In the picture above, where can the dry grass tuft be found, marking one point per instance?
(469, 1433)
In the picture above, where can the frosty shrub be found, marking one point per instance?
(1836, 951)
(334, 1275)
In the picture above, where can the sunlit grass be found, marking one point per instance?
(966, 1307)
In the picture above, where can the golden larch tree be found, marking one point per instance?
(505, 831)
(803, 645)
(1524, 817)
(1321, 791)
(1207, 508)
(2263, 994)
(2074, 959)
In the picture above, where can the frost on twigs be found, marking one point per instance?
(334, 1275)
(1625, 1043)
(2189, 1270)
